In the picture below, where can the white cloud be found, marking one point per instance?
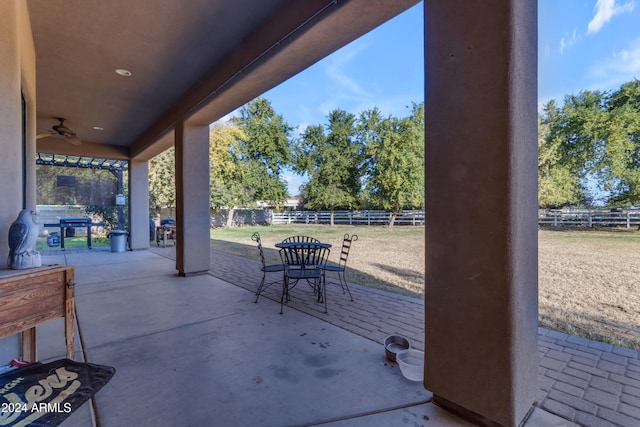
(569, 40)
(343, 90)
(605, 10)
(628, 61)
(299, 130)
(337, 71)
(621, 67)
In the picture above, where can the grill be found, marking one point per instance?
(72, 223)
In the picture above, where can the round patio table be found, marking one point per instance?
(303, 261)
(302, 245)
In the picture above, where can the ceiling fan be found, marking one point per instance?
(60, 130)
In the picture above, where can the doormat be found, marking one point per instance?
(46, 394)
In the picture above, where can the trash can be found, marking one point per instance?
(53, 240)
(118, 240)
(152, 230)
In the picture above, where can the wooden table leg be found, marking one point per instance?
(29, 345)
(70, 314)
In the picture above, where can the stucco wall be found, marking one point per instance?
(17, 68)
(18, 71)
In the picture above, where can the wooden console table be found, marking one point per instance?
(33, 296)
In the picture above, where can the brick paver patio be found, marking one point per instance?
(587, 382)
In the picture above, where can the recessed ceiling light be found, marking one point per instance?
(98, 128)
(123, 72)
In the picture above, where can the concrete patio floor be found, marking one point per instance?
(197, 351)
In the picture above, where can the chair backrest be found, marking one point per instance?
(297, 256)
(256, 238)
(346, 247)
(300, 239)
(318, 257)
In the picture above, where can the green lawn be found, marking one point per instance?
(73, 243)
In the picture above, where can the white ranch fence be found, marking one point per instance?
(549, 218)
(364, 217)
(546, 218)
(589, 218)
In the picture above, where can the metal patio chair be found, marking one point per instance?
(308, 268)
(300, 239)
(342, 263)
(301, 254)
(266, 268)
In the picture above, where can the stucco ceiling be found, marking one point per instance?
(196, 59)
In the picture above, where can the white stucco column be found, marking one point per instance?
(17, 71)
(481, 192)
(139, 205)
(192, 198)
(10, 124)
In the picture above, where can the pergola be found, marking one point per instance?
(63, 160)
(133, 78)
(116, 167)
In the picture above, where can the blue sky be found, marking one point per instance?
(383, 68)
(586, 45)
(582, 44)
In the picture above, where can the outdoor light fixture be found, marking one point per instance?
(123, 72)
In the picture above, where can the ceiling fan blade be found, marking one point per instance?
(63, 130)
(73, 139)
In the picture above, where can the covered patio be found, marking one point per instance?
(134, 78)
(199, 351)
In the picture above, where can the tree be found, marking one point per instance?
(246, 160)
(573, 153)
(558, 179)
(592, 141)
(394, 160)
(332, 162)
(226, 175)
(162, 181)
(622, 130)
(264, 149)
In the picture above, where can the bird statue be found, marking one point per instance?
(23, 234)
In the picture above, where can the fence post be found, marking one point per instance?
(350, 217)
(628, 220)
(590, 220)
(555, 218)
